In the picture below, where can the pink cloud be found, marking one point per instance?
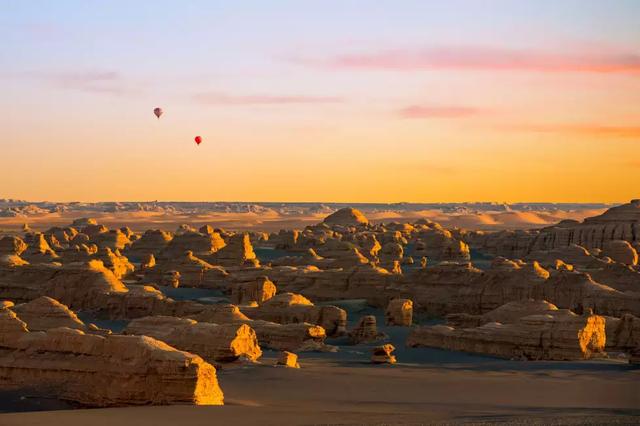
(587, 130)
(485, 58)
(106, 82)
(417, 111)
(228, 99)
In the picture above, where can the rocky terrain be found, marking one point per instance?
(105, 316)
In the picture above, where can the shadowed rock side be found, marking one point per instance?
(102, 371)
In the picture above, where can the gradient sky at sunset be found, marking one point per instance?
(351, 101)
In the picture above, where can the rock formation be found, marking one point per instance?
(45, 313)
(557, 335)
(101, 371)
(253, 292)
(366, 331)
(399, 312)
(213, 342)
(346, 217)
(291, 308)
(383, 354)
(288, 359)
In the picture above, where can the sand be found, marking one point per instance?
(322, 392)
(272, 221)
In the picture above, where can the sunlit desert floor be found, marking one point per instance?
(323, 392)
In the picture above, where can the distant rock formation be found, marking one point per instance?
(346, 217)
(617, 223)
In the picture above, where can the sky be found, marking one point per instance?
(338, 100)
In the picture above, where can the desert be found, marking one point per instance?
(278, 212)
(336, 300)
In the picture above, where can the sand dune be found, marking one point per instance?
(271, 220)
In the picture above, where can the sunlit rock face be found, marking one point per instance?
(101, 371)
(114, 261)
(553, 335)
(183, 270)
(399, 312)
(238, 251)
(254, 292)
(383, 354)
(213, 342)
(290, 308)
(199, 244)
(288, 359)
(45, 313)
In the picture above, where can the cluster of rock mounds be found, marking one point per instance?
(585, 300)
(96, 370)
(525, 330)
(621, 223)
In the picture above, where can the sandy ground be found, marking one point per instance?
(324, 393)
(272, 221)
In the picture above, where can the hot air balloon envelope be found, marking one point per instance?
(198, 139)
(158, 112)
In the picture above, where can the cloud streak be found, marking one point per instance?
(424, 112)
(483, 58)
(104, 82)
(217, 98)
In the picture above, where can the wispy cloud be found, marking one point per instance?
(217, 98)
(108, 82)
(587, 130)
(484, 58)
(421, 111)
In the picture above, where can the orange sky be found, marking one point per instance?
(422, 103)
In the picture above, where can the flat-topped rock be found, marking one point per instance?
(102, 371)
(213, 342)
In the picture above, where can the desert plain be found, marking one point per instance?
(311, 313)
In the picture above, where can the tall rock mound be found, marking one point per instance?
(346, 217)
(102, 371)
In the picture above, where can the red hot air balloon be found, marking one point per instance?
(198, 140)
(158, 112)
